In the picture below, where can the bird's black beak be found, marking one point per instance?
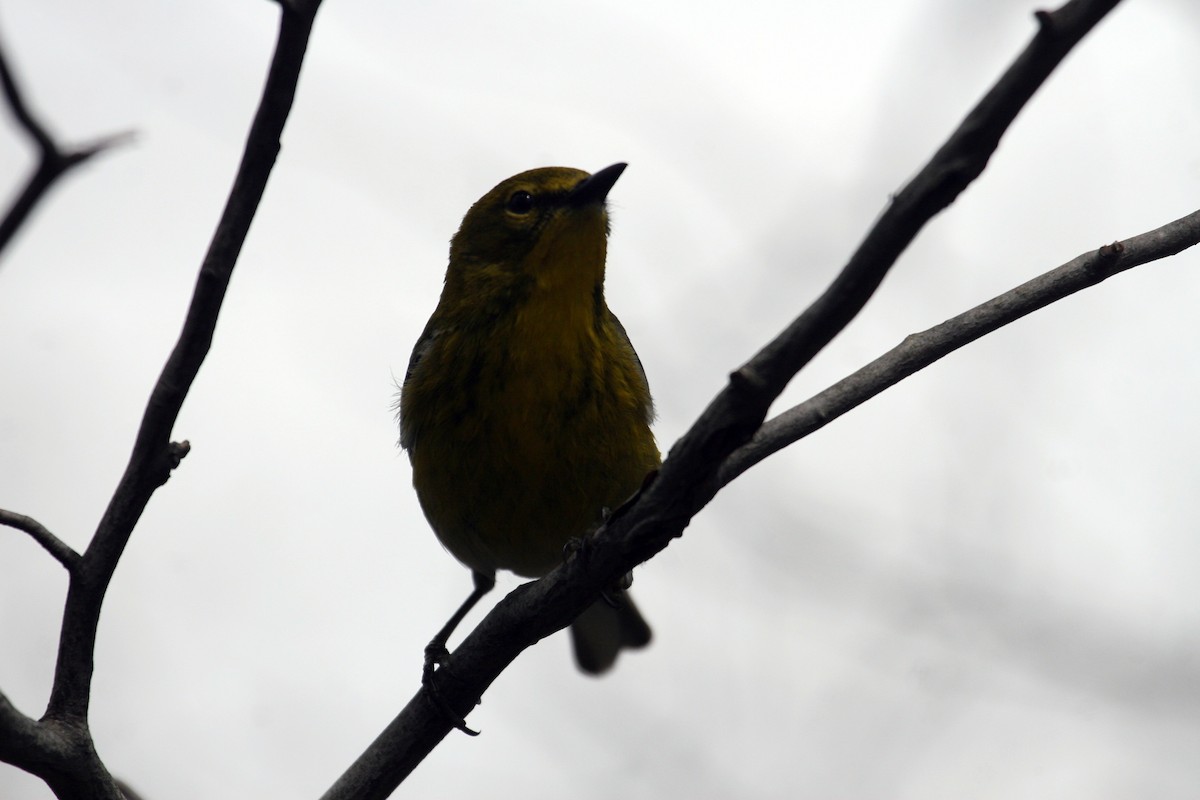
(595, 187)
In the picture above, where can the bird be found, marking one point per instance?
(525, 410)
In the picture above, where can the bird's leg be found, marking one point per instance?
(436, 652)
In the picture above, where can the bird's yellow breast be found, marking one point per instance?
(526, 434)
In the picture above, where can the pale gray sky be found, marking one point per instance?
(982, 584)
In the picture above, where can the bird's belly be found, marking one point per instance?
(509, 483)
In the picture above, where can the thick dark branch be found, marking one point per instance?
(922, 349)
(154, 454)
(54, 161)
(689, 476)
(56, 547)
(19, 735)
(61, 754)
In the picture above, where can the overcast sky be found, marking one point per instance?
(985, 583)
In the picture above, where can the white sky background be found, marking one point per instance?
(985, 583)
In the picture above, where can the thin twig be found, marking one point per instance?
(54, 160)
(689, 476)
(154, 455)
(16, 102)
(919, 350)
(56, 547)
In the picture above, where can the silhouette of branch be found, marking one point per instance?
(58, 748)
(690, 475)
(919, 350)
(54, 160)
(61, 551)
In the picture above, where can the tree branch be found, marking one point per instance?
(54, 161)
(58, 748)
(919, 350)
(56, 547)
(689, 477)
(19, 734)
(44, 748)
(154, 455)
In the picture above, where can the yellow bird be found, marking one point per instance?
(525, 410)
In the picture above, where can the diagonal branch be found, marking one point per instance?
(56, 547)
(154, 455)
(59, 748)
(955, 165)
(922, 349)
(689, 477)
(54, 161)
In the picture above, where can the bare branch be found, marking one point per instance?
(19, 734)
(689, 477)
(54, 160)
(959, 161)
(60, 754)
(16, 102)
(154, 455)
(56, 547)
(922, 349)
(59, 748)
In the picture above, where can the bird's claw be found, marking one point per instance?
(435, 657)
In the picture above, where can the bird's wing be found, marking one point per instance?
(624, 337)
(420, 350)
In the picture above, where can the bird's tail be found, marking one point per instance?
(604, 629)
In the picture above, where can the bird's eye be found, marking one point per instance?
(520, 202)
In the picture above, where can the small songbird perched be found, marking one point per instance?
(525, 410)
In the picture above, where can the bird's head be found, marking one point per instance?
(546, 228)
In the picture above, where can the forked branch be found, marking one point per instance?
(690, 476)
(922, 349)
(58, 748)
(154, 455)
(53, 159)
